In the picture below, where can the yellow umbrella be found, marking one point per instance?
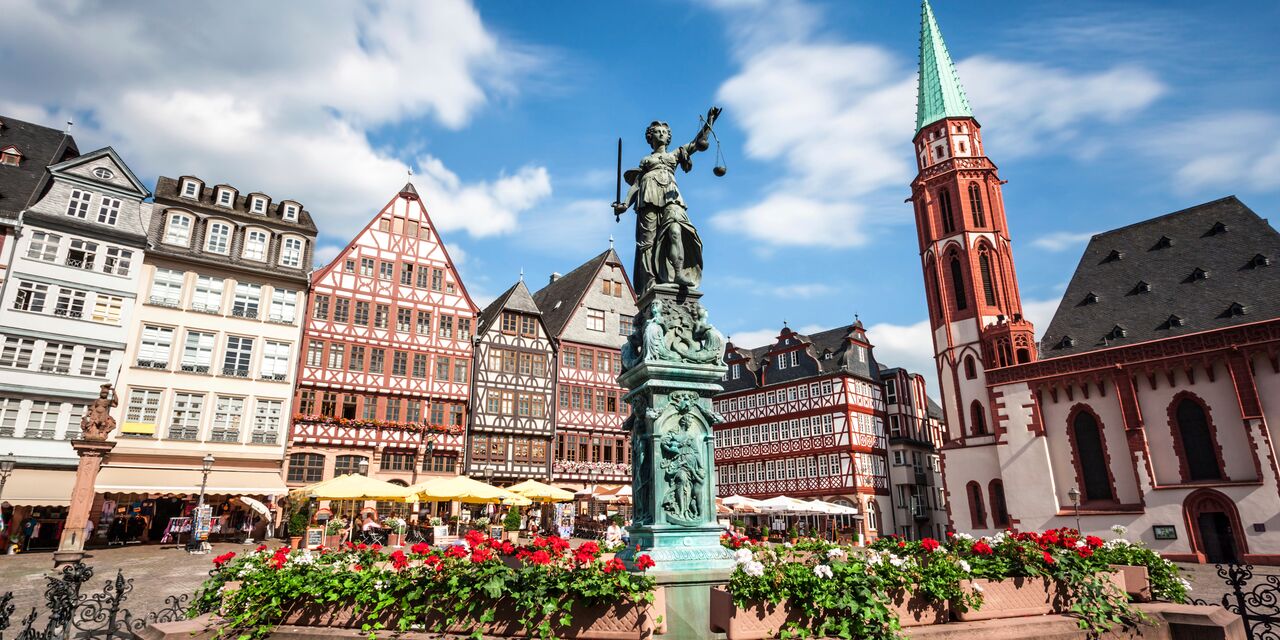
(464, 489)
(534, 490)
(354, 486)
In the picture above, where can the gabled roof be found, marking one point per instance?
(516, 298)
(107, 152)
(169, 194)
(558, 300)
(835, 343)
(1201, 266)
(40, 146)
(934, 410)
(938, 94)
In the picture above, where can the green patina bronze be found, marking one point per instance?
(940, 94)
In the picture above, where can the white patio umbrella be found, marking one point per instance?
(785, 504)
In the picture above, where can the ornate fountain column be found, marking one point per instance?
(92, 448)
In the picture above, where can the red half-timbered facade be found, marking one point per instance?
(589, 313)
(804, 417)
(386, 358)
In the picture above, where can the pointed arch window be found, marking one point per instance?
(970, 368)
(977, 512)
(999, 510)
(944, 206)
(988, 284)
(975, 205)
(933, 287)
(957, 283)
(1090, 451)
(1199, 449)
(978, 419)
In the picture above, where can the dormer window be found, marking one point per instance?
(1175, 321)
(1113, 256)
(1218, 227)
(1198, 274)
(218, 238)
(1090, 298)
(291, 252)
(226, 198)
(1066, 342)
(1235, 310)
(1163, 243)
(103, 173)
(1259, 261)
(290, 212)
(1117, 332)
(1142, 287)
(10, 156)
(258, 205)
(191, 189)
(255, 245)
(178, 230)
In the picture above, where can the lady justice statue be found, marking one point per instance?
(668, 249)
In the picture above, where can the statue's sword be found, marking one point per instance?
(617, 191)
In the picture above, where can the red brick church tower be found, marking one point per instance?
(975, 311)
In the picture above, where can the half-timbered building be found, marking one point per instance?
(588, 313)
(386, 355)
(1147, 401)
(914, 423)
(804, 417)
(509, 436)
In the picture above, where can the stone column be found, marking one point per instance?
(92, 454)
(672, 369)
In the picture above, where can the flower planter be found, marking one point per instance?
(1009, 598)
(766, 620)
(1136, 582)
(917, 610)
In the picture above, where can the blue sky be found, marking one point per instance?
(1098, 113)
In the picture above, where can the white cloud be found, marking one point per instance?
(270, 98)
(1222, 150)
(1040, 313)
(836, 118)
(1062, 240)
(908, 346)
(753, 338)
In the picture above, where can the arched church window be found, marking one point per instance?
(932, 286)
(957, 283)
(988, 285)
(977, 512)
(1092, 457)
(1198, 447)
(944, 206)
(999, 510)
(978, 419)
(975, 205)
(970, 368)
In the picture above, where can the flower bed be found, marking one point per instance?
(828, 590)
(486, 586)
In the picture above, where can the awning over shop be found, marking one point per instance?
(114, 479)
(40, 488)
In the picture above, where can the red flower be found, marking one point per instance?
(951, 534)
(357, 568)
(261, 548)
(508, 548)
(929, 544)
(614, 565)
(558, 544)
(540, 557)
(399, 560)
(589, 547)
(1093, 541)
(643, 562)
(982, 548)
(456, 551)
(420, 548)
(362, 547)
(1048, 559)
(431, 560)
(1084, 552)
(481, 554)
(223, 559)
(474, 538)
(376, 547)
(901, 544)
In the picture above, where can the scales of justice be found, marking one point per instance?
(672, 365)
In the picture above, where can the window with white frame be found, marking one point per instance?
(70, 303)
(95, 362)
(190, 189)
(78, 205)
(315, 353)
(9, 408)
(178, 230)
(42, 420)
(144, 405)
(891, 391)
(337, 351)
(57, 357)
(166, 287)
(154, 348)
(117, 261)
(197, 352)
(218, 238)
(208, 294)
(17, 353)
(106, 309)
(31, 296)
(266, 421)
(284, 305)
(895, 428)
(255, 245)
(108, 210)
(291, 252)
(595, 320)
(782, 361)
(184, 420)
(227, 412)
(290, 212)
(44, 246)
(82, 254)
(275, 360)
(226, 198)
(247, 299)
(899, 458)
(259, 205)
(236, 359)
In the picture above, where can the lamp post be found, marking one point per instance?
(1074, 495)
(206, 465)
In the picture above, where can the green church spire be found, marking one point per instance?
(940, 94)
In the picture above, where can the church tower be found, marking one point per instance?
(975, 311)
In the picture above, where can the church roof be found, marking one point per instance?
(516, 298)
(560, 297)
(939, 94)
(1211, 266)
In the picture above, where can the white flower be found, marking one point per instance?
(1080, 544)
(964, 566)
(1119, 530)
(874, 557)
(753, 569)
(822, 571)
(896, 561)
(1000, 537)
(965, 536)
(835, 553)
(1185, 583)
(787, 545)
(742, 556)
(978, 588)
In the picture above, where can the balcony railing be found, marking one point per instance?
(279, 319)
(235, 372)
(163, 301)
(38, 434)
(195, 368)
(184, 433)
(206, 308)
(152, 364)
(242, 312)
(52, 368)
(275, 377)
(68, 313)
(264, 437)
(225, 435)
(79, 263)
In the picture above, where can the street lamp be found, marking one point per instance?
(1074, 495)
(206, 465)
(363, 466)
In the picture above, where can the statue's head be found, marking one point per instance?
(657, 134)
(104, 391)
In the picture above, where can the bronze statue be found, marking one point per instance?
(668, 249)
(97, 422)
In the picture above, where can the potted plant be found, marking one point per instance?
(511, 524)
(438, 529)
(336, 527)
(397, 525)
(764, 534)
(298, 522)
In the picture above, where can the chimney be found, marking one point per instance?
(555, 275)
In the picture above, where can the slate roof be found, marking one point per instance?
(1176, 274)
(168, 194)
(934, 410)
(40, 147)
(832, 341)
(558, 299)
(515, 298)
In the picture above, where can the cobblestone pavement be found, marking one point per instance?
(1207, 585)
(157, 572)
